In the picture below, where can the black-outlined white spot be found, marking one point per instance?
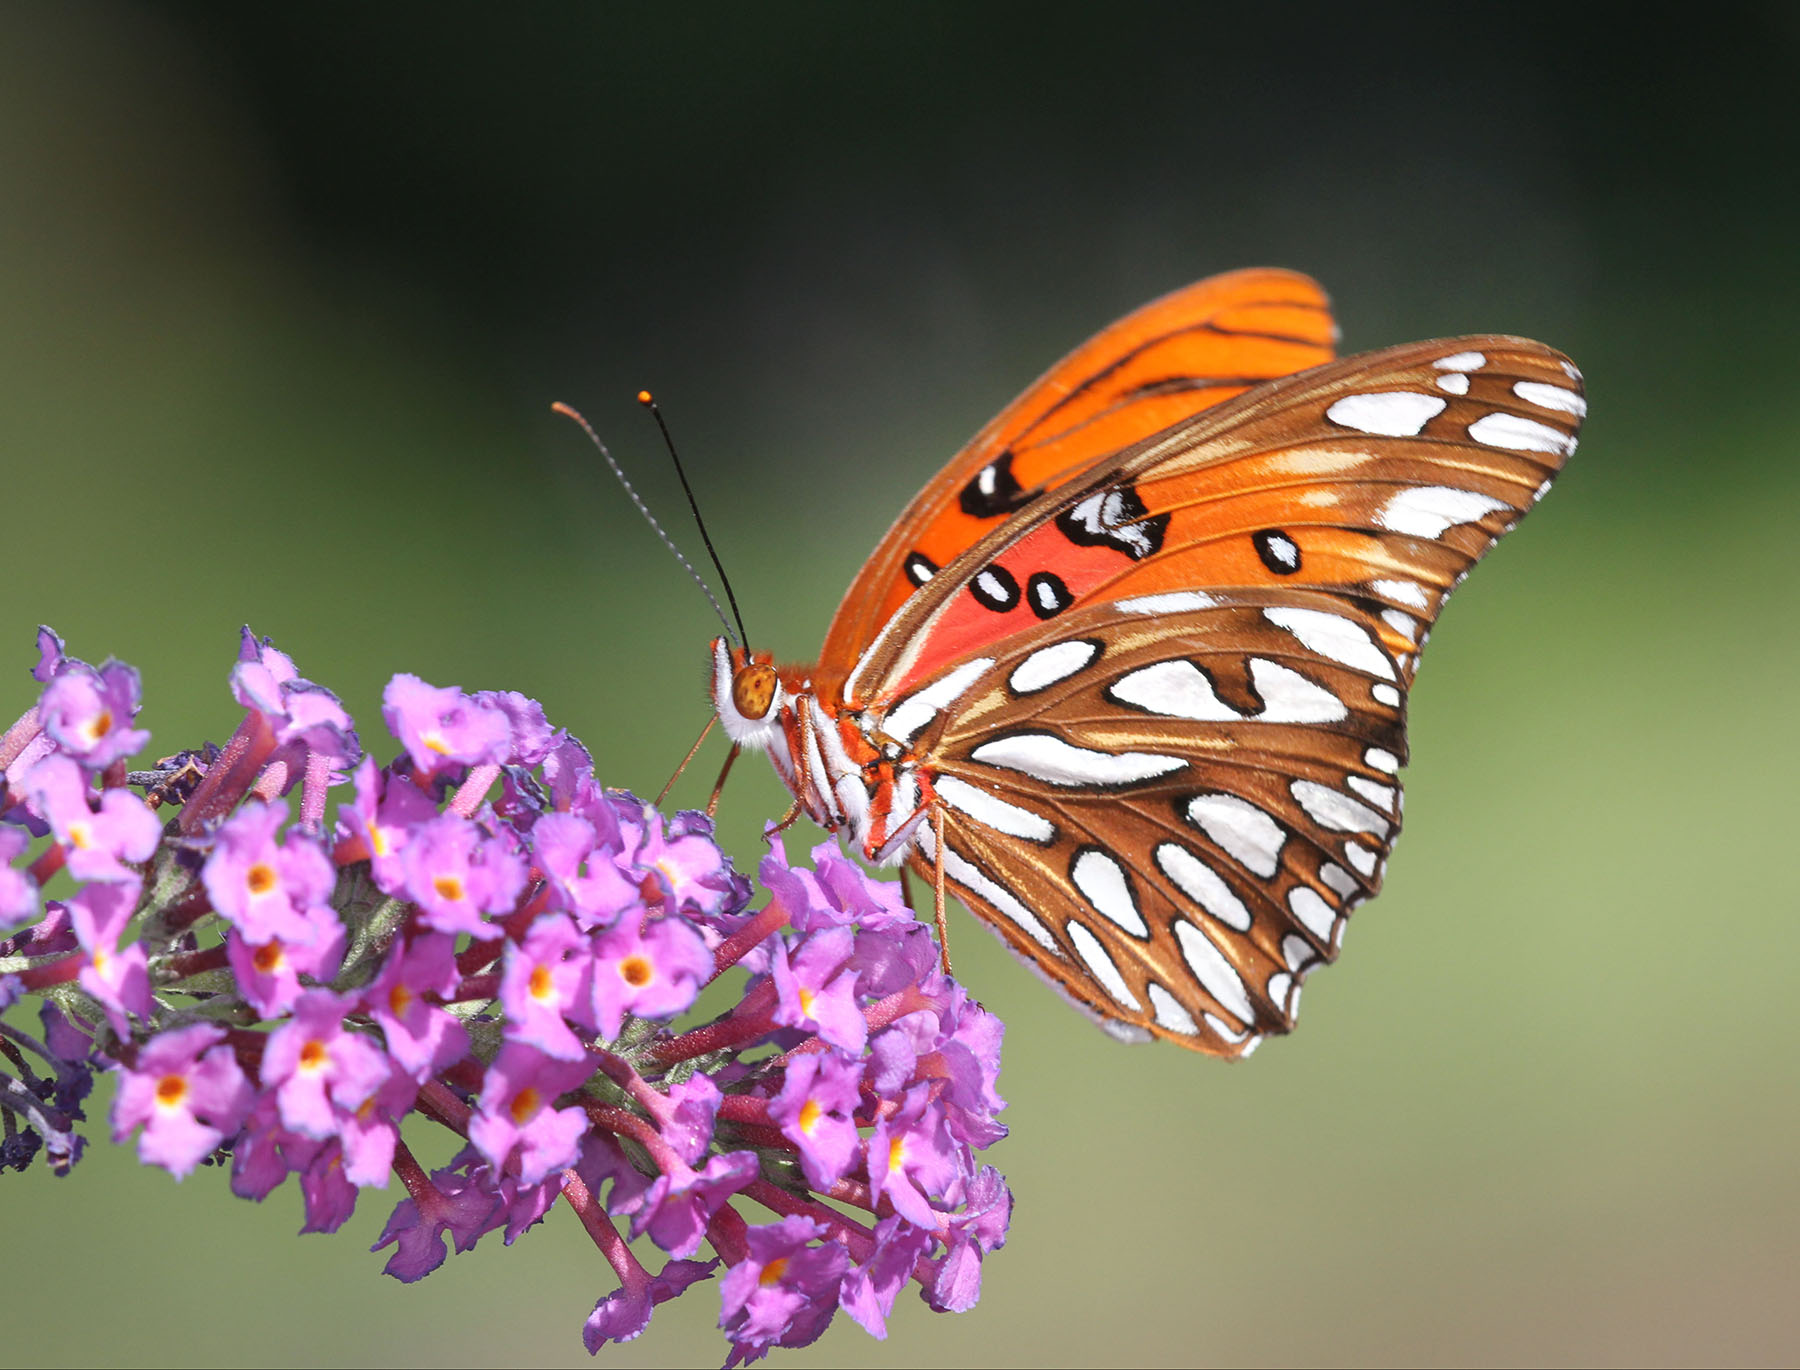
(1279, 552)
(994, 491)
(995, 588)
(919, 568)
(1116, 519)
(1046, 593)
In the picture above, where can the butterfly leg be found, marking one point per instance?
(712, 805)
(787, 819)
(704, 734)
(937, 842)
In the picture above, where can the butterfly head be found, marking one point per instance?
(748, 694)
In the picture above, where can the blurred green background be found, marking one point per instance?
(285, 295)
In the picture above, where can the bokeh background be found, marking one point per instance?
(286, 292)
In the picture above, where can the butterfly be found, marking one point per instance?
(1129, 676)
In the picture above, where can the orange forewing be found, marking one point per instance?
(1164, 363)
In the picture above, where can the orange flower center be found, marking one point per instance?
(542, 986)
(261, 878)
(525, 1104)
(810, 1113)
(268, 958)
(636, 971)
(100, 725)
(313, 1055)
(449, 887)
(171, 1090)
(400, 1000)
(773, 1271)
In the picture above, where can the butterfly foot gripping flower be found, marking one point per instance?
(484, 945)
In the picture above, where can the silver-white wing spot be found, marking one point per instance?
(1360, 857)
(1044, 667)
(1336, 810)
(1093, 955)
(1174, 689)
(1289, 697)
(1461, 361)
(1296, 951)
(1381, 759)
(1402, 623)
(1279, 985)
(1338, 880)
(1313, 912)
(1335, 637)
(1406, 591)
(918, 709)
(1176, 602)
(1169, 1012)
(1425, 511)
(1386, 413)
(1050, 759)
(1551, 397)
(1003, 899)
(1453, 383)
(995, 812)
(1201, 883)
(1383, 693)
(1213, 971)
(1517, 434)
(1103, 884)
(1244, 832)
(1374, 793)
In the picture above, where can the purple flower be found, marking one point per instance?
(814, 1111)
(912, 1157)
(267, 889)
(654, 970)
(456, 875)
(585, 876)
(188, 1093)
(319, 1069)
(690, 868)
(302, 715)
(784, 1292)
(871, 1288)
(624, 1314)
(980, 1228)
(548, 979)
(268, 973)
(370, 1134)
(515, 1111)
(452, 1204)
(265, 1151)
(532, 737)
(385, 813)
(421, 1037)
(119, 980)
(817, 994)
(18, 891)
(89, 712)
(681, 1201)
(442, 728)
(98, 844)
(327, 1190)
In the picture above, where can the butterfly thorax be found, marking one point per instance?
(844, 770)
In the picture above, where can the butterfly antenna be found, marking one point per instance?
(569, 412)
(648, 400)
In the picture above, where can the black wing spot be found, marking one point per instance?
(1279, 552)
(919, 568)
(993, 491)
(995, 588)
(1115, 518)
(1046, 594)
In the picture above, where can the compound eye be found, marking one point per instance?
(753, 691)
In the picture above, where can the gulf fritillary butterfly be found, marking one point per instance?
(1129, 676)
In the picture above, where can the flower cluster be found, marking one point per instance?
(489, 947)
